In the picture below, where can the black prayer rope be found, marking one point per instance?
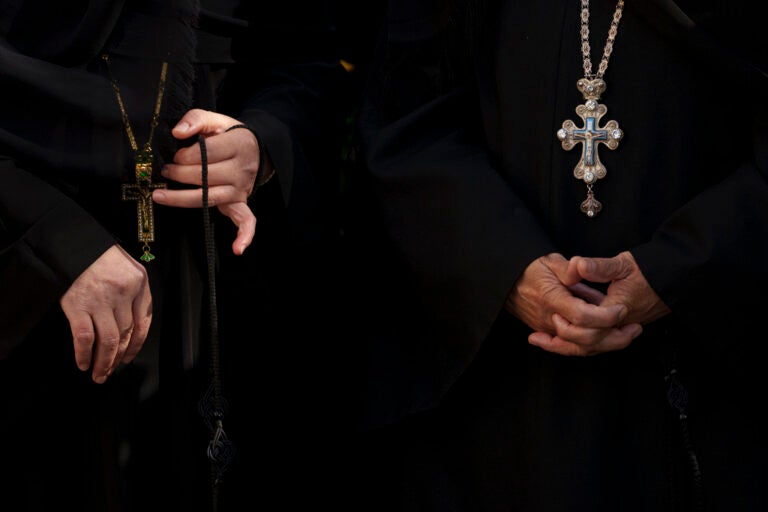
(212, 405)
(677, 395)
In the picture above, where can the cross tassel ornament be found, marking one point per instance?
(590, 169)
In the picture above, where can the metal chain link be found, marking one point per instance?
(585, 48)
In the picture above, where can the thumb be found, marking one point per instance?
(603, 270)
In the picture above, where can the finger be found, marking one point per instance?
(584, 314)
(125, 325)
(565, 272)
(596, 339)
(83, 337)
(142, 320)
(617, 339)
(242, 216)
(193, 198)
(556, 345)
(583, 336)
(105, 348)
(587, 293)
(220, 173)
(603, 270)
(621, 337)
(217, 149)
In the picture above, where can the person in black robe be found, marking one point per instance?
(210, 356)
(481, 400)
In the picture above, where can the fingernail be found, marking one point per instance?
(101, 379)
(637, 331)
(158, 195)
(183, 126)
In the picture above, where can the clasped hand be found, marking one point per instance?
(570, 317)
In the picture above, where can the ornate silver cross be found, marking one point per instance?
(590, 169)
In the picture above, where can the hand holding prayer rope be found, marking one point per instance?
(571, 318)
(109, 309)
(233, 163)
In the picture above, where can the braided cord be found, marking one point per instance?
(220, 449)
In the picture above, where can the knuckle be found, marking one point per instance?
(143, 324)
(84, 337)
(110, 342)
(579, 317)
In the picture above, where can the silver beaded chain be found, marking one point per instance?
(585, 48)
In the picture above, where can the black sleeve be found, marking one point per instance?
(46, 238)
(461, 233)
(289, 84)
(46, 241)
(726, 226)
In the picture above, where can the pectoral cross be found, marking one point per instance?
(590, 169)
(141, 192)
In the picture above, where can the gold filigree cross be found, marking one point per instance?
(141, 192)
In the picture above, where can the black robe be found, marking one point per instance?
(139, 441)
(471, 184)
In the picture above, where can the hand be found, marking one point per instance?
(233, 162)
(568, 317)
(109, 308)
(628, 285)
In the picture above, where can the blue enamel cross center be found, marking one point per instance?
(590, 169)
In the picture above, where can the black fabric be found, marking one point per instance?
(471, 184)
